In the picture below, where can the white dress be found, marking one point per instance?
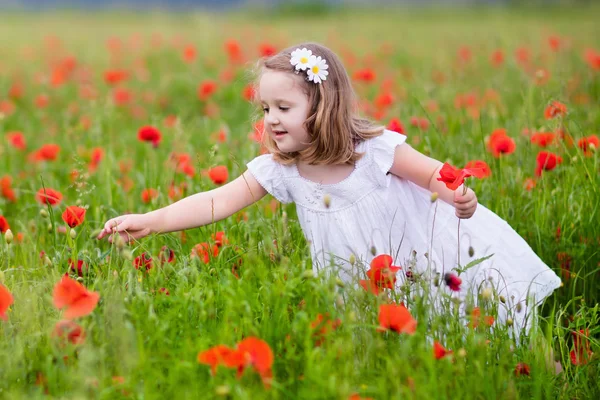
(374, 212)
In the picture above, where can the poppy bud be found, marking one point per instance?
(339, 282)
(79, 279)
(126, 254)
(47, 261)
(119, 242)
(339, 301)
(49, 228)
(73, 234)
(461, 352)
(434, 196)
(44, 213)
(308, 274)
(471, 251)
(352, 316)
(503, 299)
(373, 250)
(519, 307)
(352, 259)
(436, 280)
(509, 321)
(327, 200)
(222, 390)
(486, 293)
(8, 236)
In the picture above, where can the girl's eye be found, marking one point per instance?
(283, 108)
(265, 110)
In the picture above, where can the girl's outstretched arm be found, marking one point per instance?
(422, 170)
(191, 212)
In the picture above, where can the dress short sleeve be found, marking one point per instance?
(269, 175)
(382, 149)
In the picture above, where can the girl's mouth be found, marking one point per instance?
(279, 134)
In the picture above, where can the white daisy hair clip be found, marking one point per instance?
(315, 66)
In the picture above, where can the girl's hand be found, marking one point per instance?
(465, 204)
(130, 227)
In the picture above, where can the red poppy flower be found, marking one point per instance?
(219, 238)
(73, 296)
(476, 318)
(248, 92)
(115, 76)
(143, 260)
(529, 184)
(267, 50)
(454, 177)
(166, 255)
(79, 268)
(543, 139)
(480, 164)
(546, 161)
(68, 331)
(6, 299)
(48, 152)
(592, 57)
(500, 143)
(397, 318)
(189, 54)
(395, 125)
(555, 109)
(234, 51)
(17, 140)
(256, 353)
(554, 42)
(497, 58)
(522, 369)
(203, 251)
(218, 174)
(6, 190)
(382, 275)
(322, 326)
(4, 226)
(453, 281)
(42, 100)
(364, 75)
(581, 353)
(74, 216)
(439, 351)
(49, 196)
(523, 55)
(149, 194)
(215, 356)
(589, 144)
(150, 134)
(122, 96)
(206, 89)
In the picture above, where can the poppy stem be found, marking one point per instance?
(458, 243)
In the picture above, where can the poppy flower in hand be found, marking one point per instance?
(454, 177)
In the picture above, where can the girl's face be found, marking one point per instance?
(285, 109)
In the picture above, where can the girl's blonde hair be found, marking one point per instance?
(333, 123)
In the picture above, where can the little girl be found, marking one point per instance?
(360, 191)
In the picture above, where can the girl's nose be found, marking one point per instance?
(271, 119)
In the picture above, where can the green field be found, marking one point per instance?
(462, 73)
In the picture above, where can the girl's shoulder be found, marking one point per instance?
(271, 175)
(379, 151)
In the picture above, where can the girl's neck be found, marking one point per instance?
(325, 174)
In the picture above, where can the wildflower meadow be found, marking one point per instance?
(116, 112)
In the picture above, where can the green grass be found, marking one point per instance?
(152, 340)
